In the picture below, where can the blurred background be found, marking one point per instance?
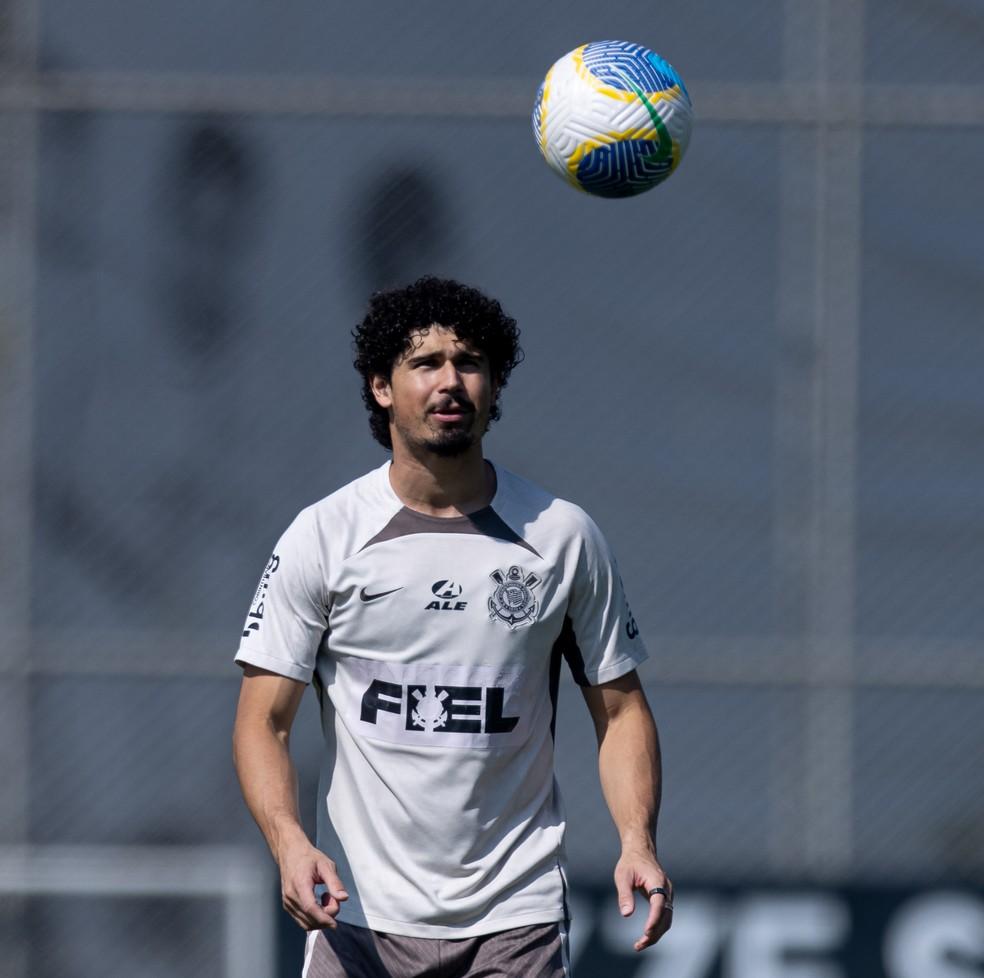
(764, 379)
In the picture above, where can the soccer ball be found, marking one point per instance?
(612, 118)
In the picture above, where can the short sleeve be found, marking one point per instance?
(288, 615)
(600, 639)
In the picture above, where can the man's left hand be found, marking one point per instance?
(640, 871)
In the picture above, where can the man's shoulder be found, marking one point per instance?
(539, 505)
(348, 513)
(365, 491)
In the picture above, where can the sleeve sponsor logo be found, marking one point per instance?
(631, 628)
(255, 616)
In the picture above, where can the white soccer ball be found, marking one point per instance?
(612, 118)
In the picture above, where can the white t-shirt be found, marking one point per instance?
(435, 645)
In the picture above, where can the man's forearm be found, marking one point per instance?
(260, 742)
(631, 777)
(269, 783)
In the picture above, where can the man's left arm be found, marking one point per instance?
(631, 780)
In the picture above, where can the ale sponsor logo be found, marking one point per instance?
(446, 593)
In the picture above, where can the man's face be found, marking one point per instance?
(439, 393)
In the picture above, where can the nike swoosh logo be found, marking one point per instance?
(364, 595)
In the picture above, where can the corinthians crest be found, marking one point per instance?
(512, 599)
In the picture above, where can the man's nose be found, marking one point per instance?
(450, 378)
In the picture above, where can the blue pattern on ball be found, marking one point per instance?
(615, 61)
(667, 70)
(623, 169)
(538, 113)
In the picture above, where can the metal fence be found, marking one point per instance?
(763, 380)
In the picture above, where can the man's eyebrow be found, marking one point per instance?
(458, 354)
(420, 358)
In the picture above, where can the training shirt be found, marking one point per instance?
(435, 645)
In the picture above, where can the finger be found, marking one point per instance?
(310, 914)
(655, 929)
(626, 898)
(318, 917)
(302, 904)
(659, 917)
(296, 911)
(665, 923)
(325, 870)
(647, 940)
(652, 920)
(656, 904)
(300, 919)
(330, 903)
(306, 920)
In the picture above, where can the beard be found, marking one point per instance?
(450, 444)
(447, 440)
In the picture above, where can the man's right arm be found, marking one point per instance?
(260, 745)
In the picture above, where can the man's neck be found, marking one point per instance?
(442, 486)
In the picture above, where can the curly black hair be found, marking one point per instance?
(383, 336)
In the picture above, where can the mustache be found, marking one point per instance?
(455, 403)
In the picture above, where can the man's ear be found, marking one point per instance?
(380, 387)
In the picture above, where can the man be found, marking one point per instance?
(431, 602)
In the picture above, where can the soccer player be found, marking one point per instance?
(431, 603)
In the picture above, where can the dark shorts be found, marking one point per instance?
(537, 951)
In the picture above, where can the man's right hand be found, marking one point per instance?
(302, 867)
